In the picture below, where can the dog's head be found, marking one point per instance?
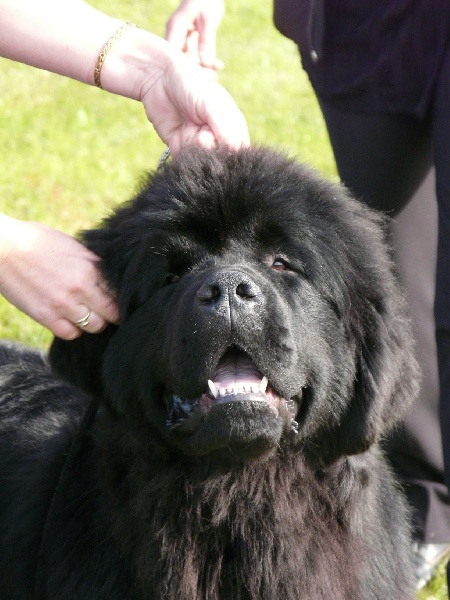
(259, 310)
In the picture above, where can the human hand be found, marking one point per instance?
(188, 107)
(192, 29)
(53, 278)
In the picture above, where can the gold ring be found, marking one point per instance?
(84, 322)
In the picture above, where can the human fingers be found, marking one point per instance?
(207, 25)
(210, 135)
(192, 28)
(192, 47)
(76, 317)
(205, 56)
(222, 120)
(96, 305)
(101, 299)
(182, 24)
(185, 36)
(178, 30)
(79, 317)
(89, 320)
(191, 135)
(64, 329)
(68, 329)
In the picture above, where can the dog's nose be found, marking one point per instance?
(228, 287)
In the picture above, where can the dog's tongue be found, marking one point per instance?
(237, 372)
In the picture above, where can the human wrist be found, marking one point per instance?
(12, 236)
(7, 228)
(105, 51)
(135, 60)
(15, 235)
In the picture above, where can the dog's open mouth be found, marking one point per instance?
(237, 379)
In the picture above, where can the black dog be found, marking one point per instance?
(225, 443)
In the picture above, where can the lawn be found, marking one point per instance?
(70, 152)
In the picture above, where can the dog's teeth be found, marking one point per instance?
(263, 385)
(294, 426)
(222, 392)
(213, 388)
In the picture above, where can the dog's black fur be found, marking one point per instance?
(142, 485)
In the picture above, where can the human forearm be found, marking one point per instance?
(62, 36)
(67, 36)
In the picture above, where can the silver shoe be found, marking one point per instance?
(427, 558)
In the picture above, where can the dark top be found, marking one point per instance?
(369, 55)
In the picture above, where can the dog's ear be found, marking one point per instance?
(119, 244)
(377, 325)
(387, 375)
(80, 361)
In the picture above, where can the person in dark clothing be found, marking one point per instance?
(381, 72)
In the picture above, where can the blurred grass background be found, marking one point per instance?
(69, 153)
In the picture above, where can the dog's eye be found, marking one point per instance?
(279, 265)
(171, 278)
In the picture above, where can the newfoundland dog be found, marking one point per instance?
(222, 443)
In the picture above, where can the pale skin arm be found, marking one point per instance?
(66, 36)
(45, 273)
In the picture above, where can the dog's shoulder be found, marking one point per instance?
(28, 388)
(39, 413)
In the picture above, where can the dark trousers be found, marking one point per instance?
(387, 161)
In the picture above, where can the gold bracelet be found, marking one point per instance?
(107, 47)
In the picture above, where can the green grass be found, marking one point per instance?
(437, 587)
(69, 152)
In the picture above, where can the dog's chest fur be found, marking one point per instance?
(189, 530)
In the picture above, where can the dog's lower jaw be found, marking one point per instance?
(238, 431)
